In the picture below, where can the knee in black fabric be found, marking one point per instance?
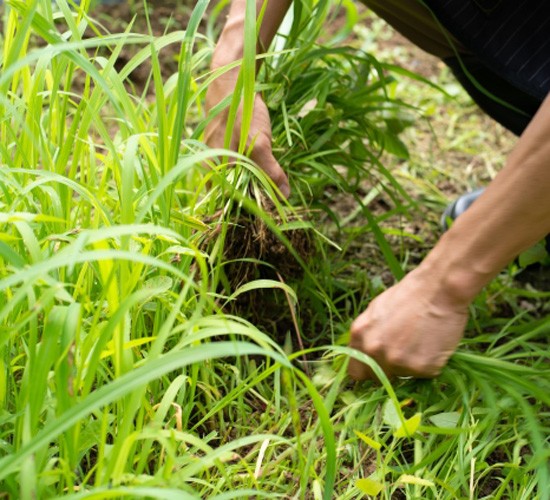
(472, 74)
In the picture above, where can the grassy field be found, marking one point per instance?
(169, 328)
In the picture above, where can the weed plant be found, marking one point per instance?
(120, 373)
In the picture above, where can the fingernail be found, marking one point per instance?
(285, 189)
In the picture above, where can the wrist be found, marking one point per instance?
(230, 46)
(226, 53)
(456, 278)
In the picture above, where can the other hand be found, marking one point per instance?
(412, 329)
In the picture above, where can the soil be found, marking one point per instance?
(253, 251)
(250, 237)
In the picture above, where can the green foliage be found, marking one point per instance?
(121, 374)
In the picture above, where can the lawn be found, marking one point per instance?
(170, 328)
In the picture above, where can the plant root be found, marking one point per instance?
(253, 251)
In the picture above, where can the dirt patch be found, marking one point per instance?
(254, 251)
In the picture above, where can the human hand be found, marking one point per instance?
(412, 329)
(259, 135)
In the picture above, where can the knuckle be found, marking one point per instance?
(375, 348)
(360, 324)
(357, 330)
(398, 358)
(262, 143)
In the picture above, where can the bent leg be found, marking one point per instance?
(415, 22)
(502, 101)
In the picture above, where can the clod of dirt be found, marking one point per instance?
(253, 251)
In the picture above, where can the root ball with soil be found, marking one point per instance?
(260, 247)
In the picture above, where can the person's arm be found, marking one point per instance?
(415, 326)
(230, 48)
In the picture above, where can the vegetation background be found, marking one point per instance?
(169, 330)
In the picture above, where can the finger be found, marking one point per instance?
(360, 371)
(267, 162)
(418, 372)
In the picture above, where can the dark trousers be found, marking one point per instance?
(512, 108)
(509, 106)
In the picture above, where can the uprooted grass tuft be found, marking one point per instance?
(257, 245)
(253, 250)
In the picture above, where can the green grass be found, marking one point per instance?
(122, 373)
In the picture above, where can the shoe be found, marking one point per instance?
(537, 275)
(458, 207)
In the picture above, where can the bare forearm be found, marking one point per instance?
(512, 215)
(231, 43)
